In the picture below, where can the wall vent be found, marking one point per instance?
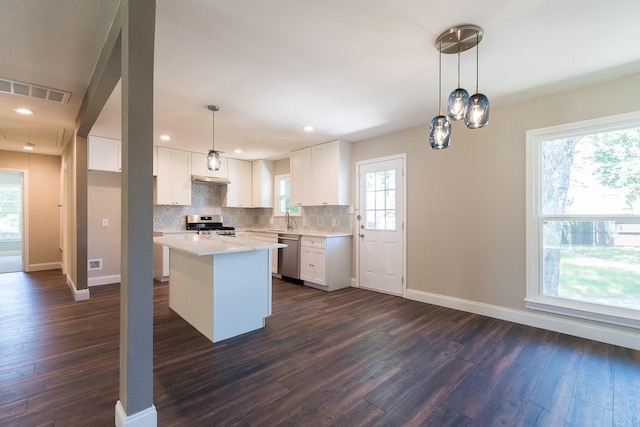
(95, 264)
(34, 91)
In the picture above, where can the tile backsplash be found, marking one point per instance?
(207, 198)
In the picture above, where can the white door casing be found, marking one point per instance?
(381, 217)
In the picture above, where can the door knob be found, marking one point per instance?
(361, 234)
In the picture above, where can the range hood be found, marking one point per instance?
(210, 179)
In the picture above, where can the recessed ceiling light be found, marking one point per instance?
(29, 147)
(237, 151)
(307, 128)
(24, 111)
(165, 137)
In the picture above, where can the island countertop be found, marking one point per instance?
(212, 244)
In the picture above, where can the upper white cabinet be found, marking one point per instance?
(238, 192)
(301, 179)
(199, 166)
(262, 184)
(321, 175)
(173, 183)
(105, 154)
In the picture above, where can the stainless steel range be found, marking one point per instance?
(209, 224)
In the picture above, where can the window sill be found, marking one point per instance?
(616, 316)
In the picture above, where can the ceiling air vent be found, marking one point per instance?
(34, 91)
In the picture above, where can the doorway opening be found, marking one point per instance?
(11, 222)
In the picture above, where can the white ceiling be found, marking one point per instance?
(353, 69)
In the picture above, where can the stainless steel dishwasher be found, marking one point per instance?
(289, 257)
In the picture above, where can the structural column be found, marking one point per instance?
(135, 406)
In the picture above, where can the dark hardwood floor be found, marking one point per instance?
(347, 358)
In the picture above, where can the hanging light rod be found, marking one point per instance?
(458, 39)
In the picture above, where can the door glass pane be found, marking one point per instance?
(380, 203)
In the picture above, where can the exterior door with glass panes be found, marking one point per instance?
(380, 222)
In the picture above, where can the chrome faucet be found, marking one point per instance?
(288, 217)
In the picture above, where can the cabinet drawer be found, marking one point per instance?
(313, 242)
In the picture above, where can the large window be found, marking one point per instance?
(583, 219)
(283, 197)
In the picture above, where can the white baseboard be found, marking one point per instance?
(103, 280)
(45, 266)
(576, 328)
(78, 295)
(145, 418)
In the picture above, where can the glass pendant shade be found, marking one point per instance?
(457, 104)
(213, 160)
(440, 133)
(477, 115)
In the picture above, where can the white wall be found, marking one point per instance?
(466, 204)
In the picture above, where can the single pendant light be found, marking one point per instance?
(440, 128)
(477, 115)
(458, 99)
(213, 157)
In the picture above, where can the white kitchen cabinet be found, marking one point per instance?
(155, 160)
(301, 179)
(199, 166)
(325, 262)
(321, 175)
(105, 154)
(262, 184)
(238, 192)
(173, 183)
(161, 256)
(269, 238)
(313, 264)
(331, 169)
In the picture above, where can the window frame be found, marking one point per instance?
(277, 196)
(535, 298)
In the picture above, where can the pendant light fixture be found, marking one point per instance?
(213, 157)
(474, 109)
(440, 128)
(458, 99)
(477, 115)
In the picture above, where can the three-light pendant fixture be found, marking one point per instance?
(473, 109)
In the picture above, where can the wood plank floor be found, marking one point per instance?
(347, 358)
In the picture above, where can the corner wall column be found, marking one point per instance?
(135, 406)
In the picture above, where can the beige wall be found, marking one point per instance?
(281, 167)
(43, 180)
(104, 202)
(466, 204)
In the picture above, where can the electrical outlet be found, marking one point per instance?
(304, 221)
(105, 222)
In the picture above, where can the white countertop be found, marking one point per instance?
(310, 233)
(211, 244)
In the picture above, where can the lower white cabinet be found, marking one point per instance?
(161, 256)
(269, 238)
(325, 262)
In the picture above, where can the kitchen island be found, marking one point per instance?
(220, 285)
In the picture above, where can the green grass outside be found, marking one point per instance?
(601, 272)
